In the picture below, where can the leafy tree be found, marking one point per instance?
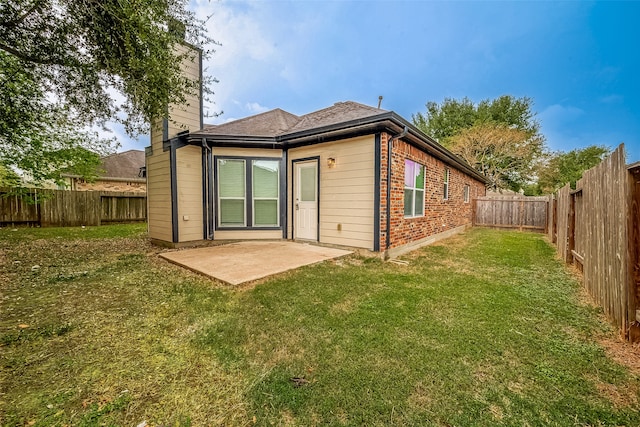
(561, 168)
(500, 137)
(67, 65)
(443, 121)
(8, 178)
(504, 155)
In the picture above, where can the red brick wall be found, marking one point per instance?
(439, 215)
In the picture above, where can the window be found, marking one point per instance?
(445, 191)
(231, 193)
(266, 184)
(413, 189)
(466, 193)
(248, 196)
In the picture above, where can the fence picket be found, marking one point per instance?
(71, 208)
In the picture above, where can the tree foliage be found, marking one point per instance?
(504, 155)
(561, 168)
(500, 138)
(68, 65)
(443, 121)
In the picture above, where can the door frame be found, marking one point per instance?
(293, 194)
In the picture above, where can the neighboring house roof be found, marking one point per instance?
(280, 129)
(122, 165)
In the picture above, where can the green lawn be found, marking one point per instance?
(485, 329)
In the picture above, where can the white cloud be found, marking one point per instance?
(255, 108)
(558, 114)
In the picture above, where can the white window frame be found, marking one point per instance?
(415, 189)
(466, 193)
(447, 174)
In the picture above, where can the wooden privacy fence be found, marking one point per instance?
(70, 208)
(521, 212)
(597, 228)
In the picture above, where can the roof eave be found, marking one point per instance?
(233, 140)
(388, 121)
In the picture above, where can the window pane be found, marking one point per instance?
(265, 178)
(419, 203)
(265, 212)
(419, 176)
(308, 184)
(232, 212)
(231, 178)
(408, 202)
(409, 171)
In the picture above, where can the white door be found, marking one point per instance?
(306, 200)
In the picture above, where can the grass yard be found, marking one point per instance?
(484, 329)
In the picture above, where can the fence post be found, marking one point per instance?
(571, 233)
(474, 208)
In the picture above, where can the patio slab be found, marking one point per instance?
(241, 262)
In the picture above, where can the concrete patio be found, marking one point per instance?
(242, 262)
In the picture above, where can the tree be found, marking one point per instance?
(443, 121)
(561, 168)
(65, 64)
(504, 155)
(500, 138)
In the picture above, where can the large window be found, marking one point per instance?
(231, 193)
(248, 193)
(266, 184)
(413, 189)
(445, 190)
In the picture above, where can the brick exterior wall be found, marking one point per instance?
(133, 187)
(439, 215)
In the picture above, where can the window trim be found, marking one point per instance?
(466, 193)
(249, 207)
(445, 190)
(414, 190)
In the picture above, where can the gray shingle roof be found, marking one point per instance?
(270, 123)
(122, 165)
(337, 113)
(279, 122)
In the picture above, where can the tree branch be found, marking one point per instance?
(26, 57)
(13, 24)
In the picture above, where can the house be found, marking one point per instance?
(117, 172)
(323, 177)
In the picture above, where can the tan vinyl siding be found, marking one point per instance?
(189, 180)
(346, 191)
(247, 234)
(186, 116)
(159, 196)
(189, 165)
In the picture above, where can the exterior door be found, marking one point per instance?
(306, 200)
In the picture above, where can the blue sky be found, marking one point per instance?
(578, 60)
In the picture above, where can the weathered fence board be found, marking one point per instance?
(524, 213)
(71, 208)
(601, 234)
(598, 230)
